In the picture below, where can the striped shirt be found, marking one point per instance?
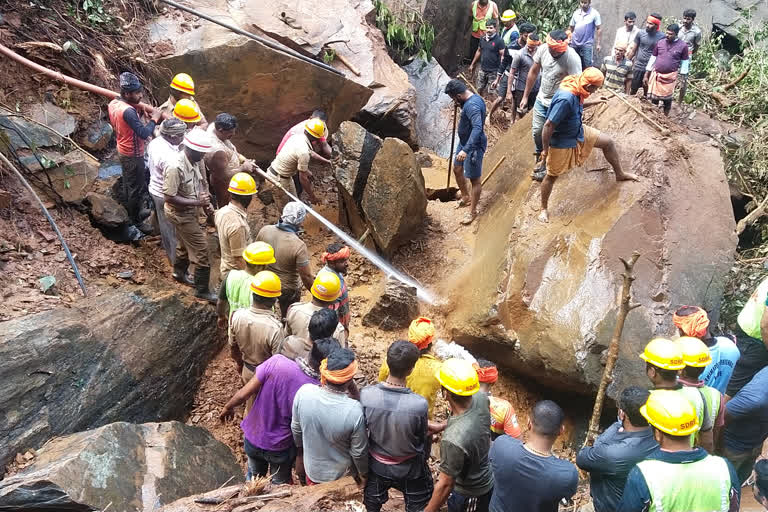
(616, 73)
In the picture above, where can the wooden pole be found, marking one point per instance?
(613, 349)
(469, 83)
(453, 141)
(346, 62)
(493, 170)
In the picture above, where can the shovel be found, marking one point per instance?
(448, 193)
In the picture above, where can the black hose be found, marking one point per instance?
(265, 42)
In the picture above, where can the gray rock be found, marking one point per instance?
(395, 308)
(105, 211)
(123, 466)
(118, 356)
(424, 159)
(435, 120)
(98, 135)
(73, 177)
(24, 134)
(53, 117)
(394, 199)
(109, 168)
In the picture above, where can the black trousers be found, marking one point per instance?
(754, 357)
(134, 184)
(416, 491)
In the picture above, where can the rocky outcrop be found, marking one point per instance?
(435, 121)
(543, 296)
(72, 177)
(268, 91)
(105, 211)
(121, 466)
(394, 199)
(395, 308)
(121, 355)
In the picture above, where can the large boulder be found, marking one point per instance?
(268, 91)
(121, 466)
(72, 177)
(394, 199)
(543, 297)
(120, 355)
(105, 211)
(434, 124)
(395, 308)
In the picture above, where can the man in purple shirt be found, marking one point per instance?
(670, 58)
(267, 428)
(585, 28)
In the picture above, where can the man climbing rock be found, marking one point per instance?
(232, 223)
(184, 191)
(669, 59)
(528, 476)
(566, 142)
(131, 134)
(256, 333)
(677, 478)
(182, 87)
(161, 153)
(328, 426)
(325, 290)
(468, 163)
(223, 162)
(397, 423)
(694, 321)
(617, 450)
(235, 290)
(336, 259)
(267, 436)
(554, 61)
(503, 415)
(291, 255)
(465, 479)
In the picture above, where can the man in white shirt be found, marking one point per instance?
(627, 33)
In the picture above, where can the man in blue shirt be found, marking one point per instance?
(617, 450)
(586, 27)
(468, 164)
(746, 424)
(566, 142)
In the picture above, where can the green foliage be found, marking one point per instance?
(94, 12)
(407, 34)
(329, 55)
(547, 15)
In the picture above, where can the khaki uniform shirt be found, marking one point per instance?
(297, 342)
(234, 234)
(184, 179)
(293, 157)
(257, 333)
(290, 254)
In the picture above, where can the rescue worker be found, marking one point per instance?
(223, 162)
(325, 149)
(325, 290)
(480, 13)
(182, 87)
(465, 480)
(503, 415)
(189, 112)
(751, 339)
(663, 361)
(232, 223)
(132, 134)
(509, 33)
(291, 255)
(294, 158)
(336, 259)
(235, 289)
(185, 191)
(256, 334)
(677, 478)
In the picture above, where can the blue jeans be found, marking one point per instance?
(537, 123)
(585, 53)
(261, 462)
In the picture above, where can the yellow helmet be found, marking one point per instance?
(695, 352)
(242, 184)
(670, 412)
(259, 253)
(508, 15)
(315, 127)
(187, 110)
(664, 354)
(266, 284)
(458, 376)
(184, 83)
(327, 286)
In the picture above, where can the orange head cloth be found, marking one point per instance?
(654, 20)
(421, 332)
(558, 46)
(488, 375)
(342, 254)
(694, 324)
(576, 84)
(337, 376)
(532, 43)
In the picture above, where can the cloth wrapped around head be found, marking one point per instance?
(341, 254)
(173, 127)
(532, 43)
(421, 332)
(620, 45)
(339, 367)
(557, 45)
(129, 82)
(695, 324)
(653, 19)
(488, 375)
(294, 213)
(577, 83)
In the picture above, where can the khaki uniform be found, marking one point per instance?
(221, 182)
(234, 235)
(293, 158)
(259, 335)
(290, 254)
(183, 178)
(297, 342)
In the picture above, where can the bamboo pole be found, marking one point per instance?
(493, 170)
(650, 121)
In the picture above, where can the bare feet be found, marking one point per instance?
(627, 176)
(462, 203)
(544, 216)
(467, 220)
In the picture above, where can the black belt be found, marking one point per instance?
(251, 367)
(273, 171)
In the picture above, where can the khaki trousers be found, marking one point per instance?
(191, 243)
(281, 198)
(246, 375)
